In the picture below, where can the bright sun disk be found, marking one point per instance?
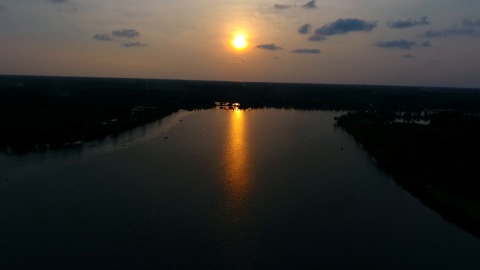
(239, 42)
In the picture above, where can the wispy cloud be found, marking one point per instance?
(103, 37)
(270, 47)
(317, 38)
(425, 44)
(280, 6)
(401, 24)
(63, 5)
(122, 36)
(450, 32)
(59, 1)
(308, 51)
(134, 44)
(305, 29)
(402, 44)
(470, 23)
(125, 33)
(310, 5)
(467, 28)
(242, 61)
(344, 26)
(398, 44)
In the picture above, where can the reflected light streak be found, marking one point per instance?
(235, 228)
(237, 161)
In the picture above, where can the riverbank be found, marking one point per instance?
(435, 160)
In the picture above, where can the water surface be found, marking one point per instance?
(220, 189)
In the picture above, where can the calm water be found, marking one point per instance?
(220, 189)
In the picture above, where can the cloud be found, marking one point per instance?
(305, 29)
(270, 47)
(279, 6)
(59, 1)
(408, 56)
(310, 51)
(64, 5)
(343, 26)
(450, 32)
(102, 37)
(134, 44)
(310, 5)
(467, 28)
(125, 33)
(398, 44)
(239, 62)
(408, 23)
(317, 38)
(469, 23)
(120, 36)
(425, 44)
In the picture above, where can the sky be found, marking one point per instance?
(377, 42)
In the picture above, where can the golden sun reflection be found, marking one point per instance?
(236, 159)
(237, 180)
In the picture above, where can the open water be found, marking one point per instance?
(220, 189)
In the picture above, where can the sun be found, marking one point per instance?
(239, 42)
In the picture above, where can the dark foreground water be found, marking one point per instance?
(220, 189)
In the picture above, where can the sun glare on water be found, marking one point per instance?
(239, 42)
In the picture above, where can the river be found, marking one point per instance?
(238, 189)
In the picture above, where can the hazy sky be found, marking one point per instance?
(395, 42)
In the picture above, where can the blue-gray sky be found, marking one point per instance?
(408, 42)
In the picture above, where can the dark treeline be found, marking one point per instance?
(54, 111)
(434, 156)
